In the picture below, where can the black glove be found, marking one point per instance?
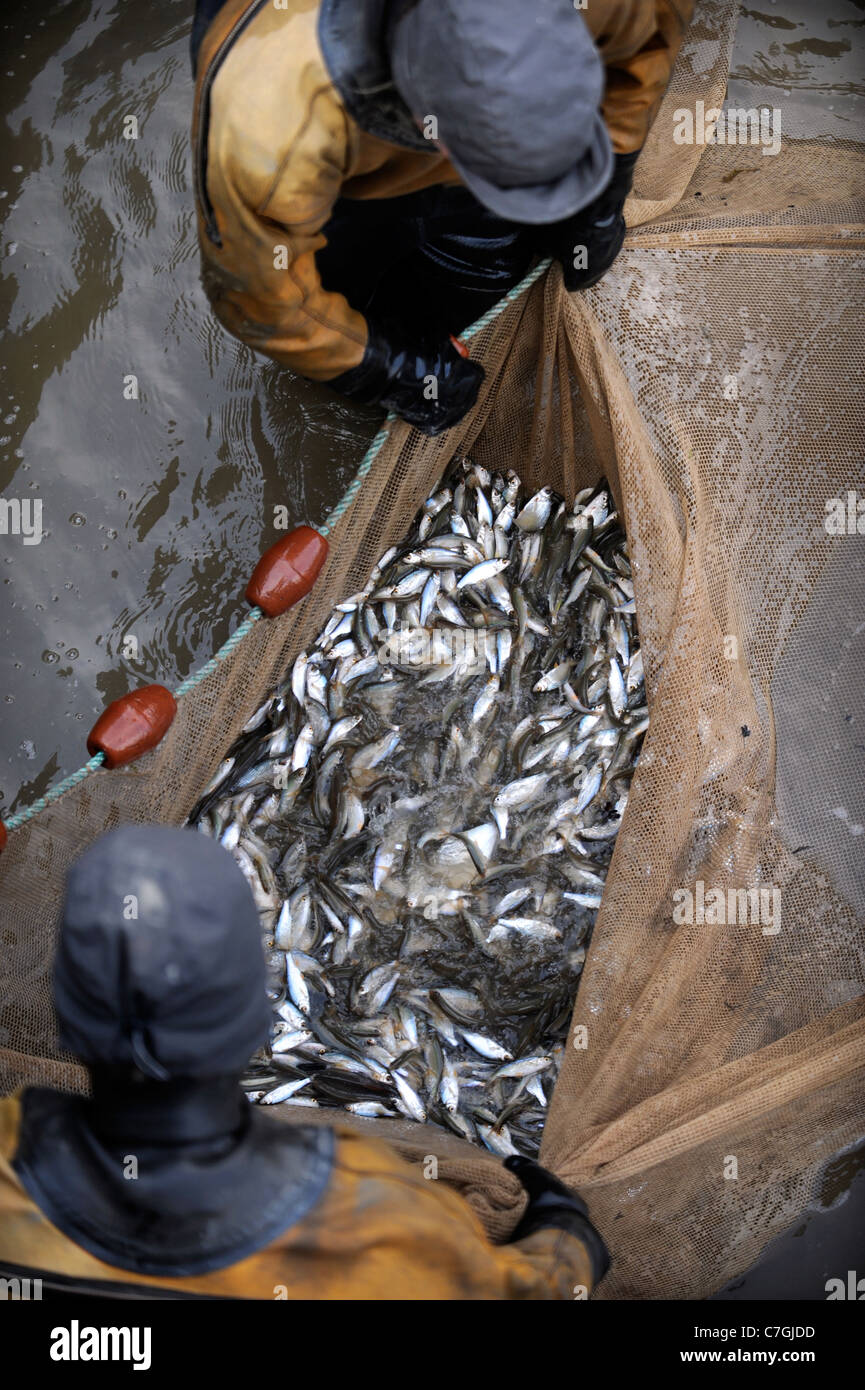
(599, 227)
(431, 386)
(553, 1204)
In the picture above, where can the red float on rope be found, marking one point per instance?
(459, 345)
(287, 571)
(132, 725)
(138, 721)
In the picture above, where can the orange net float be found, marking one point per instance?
(132, 725)
(287, 571)
(459, 345)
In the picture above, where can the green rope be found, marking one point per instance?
(225, 650)
(354, 486)
(72, 780)
(333, 517)
(492, 314)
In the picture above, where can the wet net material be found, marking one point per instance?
(712, 376)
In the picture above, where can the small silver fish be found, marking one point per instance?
(584, 899)
(302, 748)
(479, 574)
(536, 513)
(434, 777)
(499, 1141)
(280, 1093)
(590, 787)
(487, 1047)
(523, 1066)
(409, 1101)
(374, 753)
(296, 984)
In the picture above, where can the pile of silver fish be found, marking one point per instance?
(425, 811)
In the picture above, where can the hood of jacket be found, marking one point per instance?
(352, 38)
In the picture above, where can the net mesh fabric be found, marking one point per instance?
(712, 377)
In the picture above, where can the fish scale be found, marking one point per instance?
(426, 808)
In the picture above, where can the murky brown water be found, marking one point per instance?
(805, 58)
(156, 508)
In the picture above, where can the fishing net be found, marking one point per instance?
(712, 377)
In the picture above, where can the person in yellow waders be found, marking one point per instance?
(373, 175)
(167, 1179)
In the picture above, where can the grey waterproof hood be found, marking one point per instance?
(160, 963)
(514, 87)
